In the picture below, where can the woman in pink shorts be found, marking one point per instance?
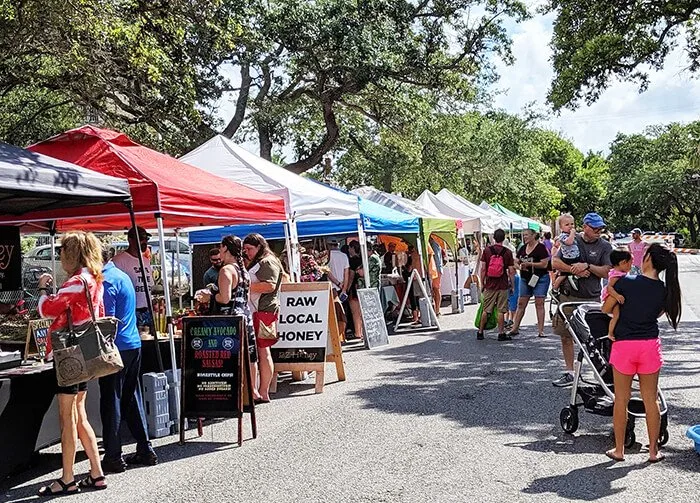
(637, 348)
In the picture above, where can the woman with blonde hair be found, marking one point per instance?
(81, 258)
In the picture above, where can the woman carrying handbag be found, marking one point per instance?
(81, 258)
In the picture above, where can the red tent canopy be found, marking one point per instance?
(185, 196)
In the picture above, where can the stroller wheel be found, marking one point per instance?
(663, 437)
(568, 419)
(630, 438)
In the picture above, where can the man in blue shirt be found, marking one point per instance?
(120, 393)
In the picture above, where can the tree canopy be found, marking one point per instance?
(598, 41)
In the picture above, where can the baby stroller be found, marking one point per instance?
(588, 325)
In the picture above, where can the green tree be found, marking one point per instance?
(654, 180)
(306, 65)
(151, 68)
(598, 41)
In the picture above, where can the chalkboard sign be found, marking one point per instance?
(37, 338)
(211, 366)
(372, 317)
(302, 326)
(10, 259)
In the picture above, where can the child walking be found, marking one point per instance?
(621, 265)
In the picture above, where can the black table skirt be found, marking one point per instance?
(30, 396)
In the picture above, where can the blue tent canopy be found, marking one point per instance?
(376, 219)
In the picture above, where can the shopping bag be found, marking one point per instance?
(491, 322)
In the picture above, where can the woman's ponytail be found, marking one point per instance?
(674, 304)
(666, 261)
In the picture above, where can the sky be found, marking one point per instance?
(673, 95)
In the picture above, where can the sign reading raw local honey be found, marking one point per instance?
(307, 331)
(302, 328)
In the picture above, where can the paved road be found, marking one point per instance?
(432, 417)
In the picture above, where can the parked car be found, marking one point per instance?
(172, 245)
(179, 276)
(38, 261)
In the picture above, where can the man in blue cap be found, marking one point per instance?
(593, 266)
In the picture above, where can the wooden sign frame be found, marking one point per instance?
(334, 351)
(31, 338)
(245, 402)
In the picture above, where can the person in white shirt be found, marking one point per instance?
(339, 265)
(128, 261)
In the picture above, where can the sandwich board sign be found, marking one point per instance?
(215, 371)
(307, 331)
(375, 331)
(37, 339)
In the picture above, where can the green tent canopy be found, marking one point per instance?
(527, 223)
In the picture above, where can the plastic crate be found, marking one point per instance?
(155, 400)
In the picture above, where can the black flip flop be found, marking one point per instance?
(613, 457)
(90, 483)
(65, 489)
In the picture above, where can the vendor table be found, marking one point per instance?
(29, 414)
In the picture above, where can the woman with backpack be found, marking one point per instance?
(532, 257)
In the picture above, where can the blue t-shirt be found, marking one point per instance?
(644, 301)
(120, 302)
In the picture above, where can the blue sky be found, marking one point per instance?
(673, 95)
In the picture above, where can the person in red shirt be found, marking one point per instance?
(497, 271)
(81, 257)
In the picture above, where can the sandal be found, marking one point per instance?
(611, 455)
(541, 334)
(64, 491)
(91, 483)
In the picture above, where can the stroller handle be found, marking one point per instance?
(560, 307)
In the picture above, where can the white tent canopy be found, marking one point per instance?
(307, 200)
(474, 219)
(501, 220)
(398, 203)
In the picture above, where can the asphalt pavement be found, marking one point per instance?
(433, 417)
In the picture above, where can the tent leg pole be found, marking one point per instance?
(169, 318)
(178, 268)
(290, 253)
(363, 251)
(147, 290)
(296, 256)
(52, 231)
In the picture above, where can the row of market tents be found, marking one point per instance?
(96, 179)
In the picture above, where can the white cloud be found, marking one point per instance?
(672, 94)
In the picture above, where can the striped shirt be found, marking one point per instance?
(71, 296)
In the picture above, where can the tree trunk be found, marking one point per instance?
(387, 179)
(241, 102)
(328, 142)
(265, 140)
(693, 229)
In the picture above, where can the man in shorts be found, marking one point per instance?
(497, 271)
(593, 266)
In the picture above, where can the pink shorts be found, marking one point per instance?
(637, 357)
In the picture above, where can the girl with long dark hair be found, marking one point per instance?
(233, 288)
(637, 348)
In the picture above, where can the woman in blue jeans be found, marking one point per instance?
(532, 259)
